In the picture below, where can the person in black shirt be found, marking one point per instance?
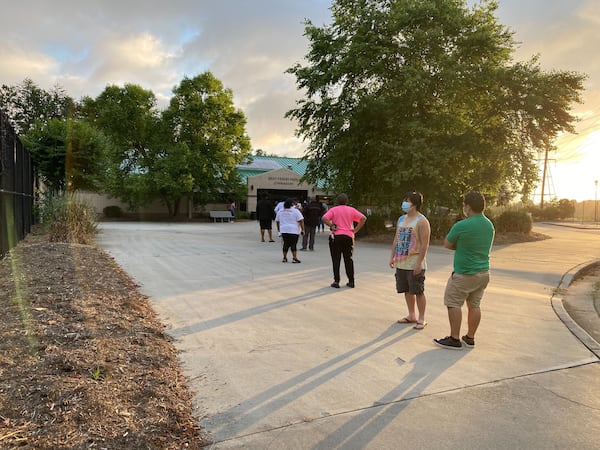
(265, 215)
(312, 214)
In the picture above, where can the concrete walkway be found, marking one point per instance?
(279, 360)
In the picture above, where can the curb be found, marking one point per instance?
(561, 312)
(579, 226)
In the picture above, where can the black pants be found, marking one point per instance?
(342, 245)
(289, 242)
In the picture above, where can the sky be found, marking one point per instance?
(83, 46)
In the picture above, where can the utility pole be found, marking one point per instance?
(544, 177)
(596, 203)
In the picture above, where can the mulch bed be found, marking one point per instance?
(84, 361)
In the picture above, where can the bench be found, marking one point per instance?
(214, 215)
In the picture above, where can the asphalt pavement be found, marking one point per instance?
(279, 360)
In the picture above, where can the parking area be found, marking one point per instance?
(278, 359)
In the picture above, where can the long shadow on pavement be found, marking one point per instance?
(364, 427)
(241, 315)
(261, 405)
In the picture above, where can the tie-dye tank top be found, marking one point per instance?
(408, 244)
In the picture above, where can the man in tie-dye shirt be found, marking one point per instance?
(409, 250)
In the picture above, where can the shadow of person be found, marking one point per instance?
(425, 368)
(252, 410)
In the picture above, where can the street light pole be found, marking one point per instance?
(596, 203)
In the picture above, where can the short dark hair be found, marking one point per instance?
(475, 200)
(288, 203)
(342, 199)
(416, 198)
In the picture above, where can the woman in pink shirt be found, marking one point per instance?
(340, 219)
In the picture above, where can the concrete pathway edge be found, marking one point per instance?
(559, 308)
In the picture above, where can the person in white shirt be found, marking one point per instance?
(290, 223)
(279, 206)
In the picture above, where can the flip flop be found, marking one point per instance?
(420, 326)
(406, 320)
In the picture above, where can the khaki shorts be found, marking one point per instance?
(462, 287)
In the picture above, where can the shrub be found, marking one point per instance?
(112, 211)
(555, 209)
(513, 221)
(441, 224)
(68, 219)
(376, 224)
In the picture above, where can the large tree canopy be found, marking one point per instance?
(129, 117)
(190, 149)
(424, 95)
(202, 116)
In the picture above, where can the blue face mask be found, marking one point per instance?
(406, 206)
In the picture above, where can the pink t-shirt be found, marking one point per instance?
(343, 217)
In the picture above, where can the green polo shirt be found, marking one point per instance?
(473, 238)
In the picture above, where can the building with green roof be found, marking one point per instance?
(279, 178)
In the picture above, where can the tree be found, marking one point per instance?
(554, 209)
(170, 175)
(202, 116)
(129, 117)
(68, 154)
(26, 103)
(424, 95)
(190, 149)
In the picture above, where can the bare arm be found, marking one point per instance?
(360, 224)
(392, 263)
(424, 231)
(449, 244)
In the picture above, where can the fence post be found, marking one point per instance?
(16, 188)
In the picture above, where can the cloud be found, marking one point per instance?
(15, 62)
(565, 36)
(141, 59)
(250, 51)
(85, 46)
(248, 45)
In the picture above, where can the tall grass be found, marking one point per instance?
(67, 218)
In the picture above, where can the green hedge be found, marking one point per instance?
(441, 224)
(513, 221)
(112, 211)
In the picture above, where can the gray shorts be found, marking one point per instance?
(406, 281)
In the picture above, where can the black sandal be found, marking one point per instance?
(295, 260)
(284, 260)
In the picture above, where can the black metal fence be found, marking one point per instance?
(16, 188)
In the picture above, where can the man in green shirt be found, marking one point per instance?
(472, 240)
